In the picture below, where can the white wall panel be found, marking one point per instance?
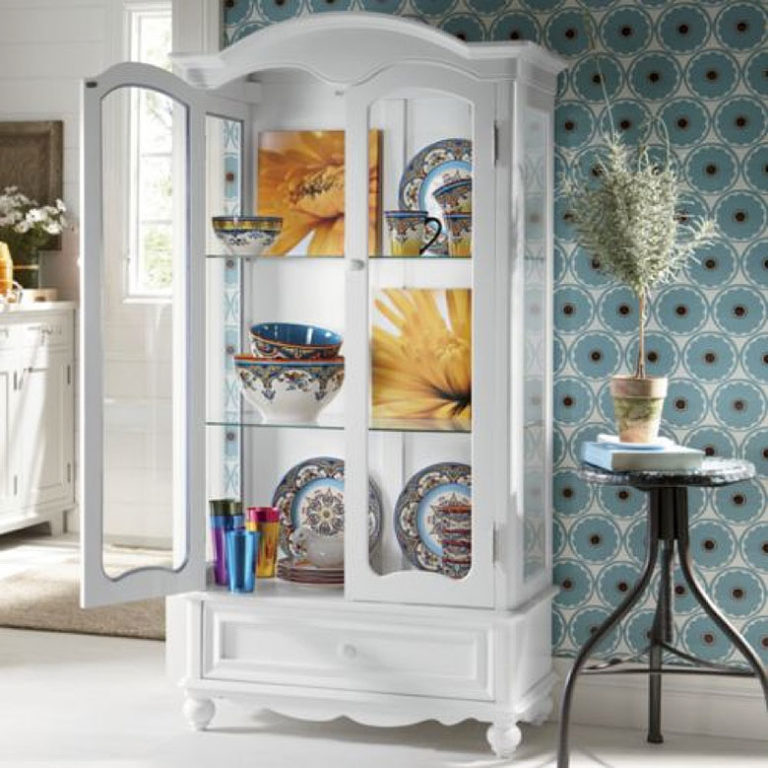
(46, 48)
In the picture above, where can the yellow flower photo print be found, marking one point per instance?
(422, 355)
(301, 178)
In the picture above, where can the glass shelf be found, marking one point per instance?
(283, 257)
(421, 257)
(251, 419)
(292, 257)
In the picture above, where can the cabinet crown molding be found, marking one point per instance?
(362, 46)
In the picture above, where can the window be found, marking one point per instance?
(150, 230)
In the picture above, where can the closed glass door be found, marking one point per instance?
(421, 262)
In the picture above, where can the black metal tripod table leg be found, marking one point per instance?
(661, 501)
(683, 546)
(610, 623)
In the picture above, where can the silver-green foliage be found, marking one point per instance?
(630, 222)
(630, 219)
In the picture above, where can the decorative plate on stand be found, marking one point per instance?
(431, 167)
(415, 527)
(312, 494)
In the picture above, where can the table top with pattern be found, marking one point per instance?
(713, 472)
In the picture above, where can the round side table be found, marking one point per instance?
(668, 523)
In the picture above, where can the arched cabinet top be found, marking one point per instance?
(347, 48)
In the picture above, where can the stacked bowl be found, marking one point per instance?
(247, 235)
(293, 370)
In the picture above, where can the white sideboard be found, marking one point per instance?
(36, 415)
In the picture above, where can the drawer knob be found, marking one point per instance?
(348, 651)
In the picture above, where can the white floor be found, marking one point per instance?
(34, 548)
(96, 702)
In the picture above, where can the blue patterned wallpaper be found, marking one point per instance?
(700, 69)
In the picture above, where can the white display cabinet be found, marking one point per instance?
(448, 364)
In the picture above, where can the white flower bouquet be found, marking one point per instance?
(27, 226)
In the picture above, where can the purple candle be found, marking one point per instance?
(222, 514)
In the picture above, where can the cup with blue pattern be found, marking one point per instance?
(455, 196)
(459, 227)
(411, 233)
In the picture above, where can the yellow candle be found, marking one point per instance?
(6, 270)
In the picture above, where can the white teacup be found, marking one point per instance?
(322, 551)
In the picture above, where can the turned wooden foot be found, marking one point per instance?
(199, 712)
(504, 737)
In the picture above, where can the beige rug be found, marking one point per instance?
(47, 598)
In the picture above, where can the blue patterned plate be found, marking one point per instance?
(312, 494)
(415, 510)
(431, 167)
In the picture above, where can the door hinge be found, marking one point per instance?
(69, 374)
(69, 472)
(496, 543)
(15, 381)
(15, 485)
(495, 142)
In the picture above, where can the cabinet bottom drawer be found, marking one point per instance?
(380, 653)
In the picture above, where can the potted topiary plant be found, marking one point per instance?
(629, 219)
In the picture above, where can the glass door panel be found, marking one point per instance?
(141, 376)
(536, 351)
(144, 234)
(419, 349)
(420, 309)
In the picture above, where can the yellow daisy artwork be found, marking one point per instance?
(422, 355)
(301, 178)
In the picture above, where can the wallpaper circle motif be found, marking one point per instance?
(661, 354)
(637, 632)
(712, 168)
(686, 121)
(683, 28)
(710, 357)
(516, 26)
(584, 623)
(715, 263)
(712, 74)
(696, 72)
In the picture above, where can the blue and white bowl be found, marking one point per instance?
(289, 390)
(293, 341)
(247, 235)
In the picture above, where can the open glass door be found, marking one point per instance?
(142, 461)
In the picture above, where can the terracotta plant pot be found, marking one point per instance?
(637, 405)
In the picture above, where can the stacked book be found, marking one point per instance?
(608, 452)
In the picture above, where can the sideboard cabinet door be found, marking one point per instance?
(44, 426)
(7, 431)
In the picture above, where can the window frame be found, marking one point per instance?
(134, 286)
